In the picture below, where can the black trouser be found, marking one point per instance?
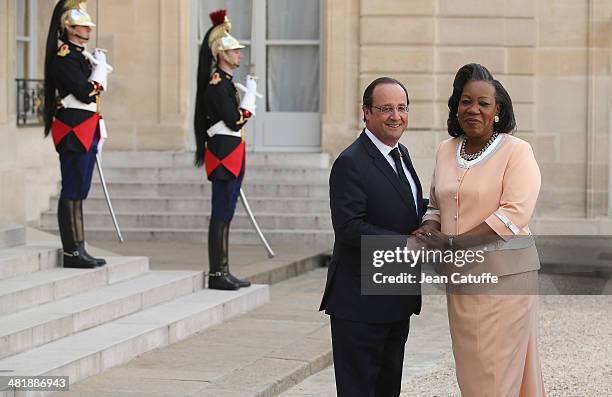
(368, 357)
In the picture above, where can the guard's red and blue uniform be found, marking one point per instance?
(225, 151)
(75, 131)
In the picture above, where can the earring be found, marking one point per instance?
(496, 118)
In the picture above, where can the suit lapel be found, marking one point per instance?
(383, 165)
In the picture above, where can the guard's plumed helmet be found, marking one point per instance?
(219, 39)
(75, 14)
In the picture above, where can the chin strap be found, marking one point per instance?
(81, 37)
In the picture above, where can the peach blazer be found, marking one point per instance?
(500, 188)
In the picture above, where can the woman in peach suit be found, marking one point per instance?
(483, 194)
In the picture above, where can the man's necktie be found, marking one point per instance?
(395, 153)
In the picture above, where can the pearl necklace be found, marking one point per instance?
(474, 156)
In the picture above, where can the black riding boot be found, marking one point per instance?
(218, 275)
(241, 283)
(78, 210)
(73, 252)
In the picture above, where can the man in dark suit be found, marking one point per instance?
(374, 190)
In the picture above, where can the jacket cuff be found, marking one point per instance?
(432, 215)
(502, 225)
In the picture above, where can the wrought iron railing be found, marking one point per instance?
(30, 99)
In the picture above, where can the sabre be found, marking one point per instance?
(103, 136)
(254, 223)
(108, 202)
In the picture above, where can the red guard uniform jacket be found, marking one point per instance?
(225, 155)
(74, 129)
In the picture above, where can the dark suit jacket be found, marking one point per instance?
(367, 198)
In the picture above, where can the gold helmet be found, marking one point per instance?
(219, 39)
(75, 14)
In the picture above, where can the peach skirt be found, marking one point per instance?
(495, 343)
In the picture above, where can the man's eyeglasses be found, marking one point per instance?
(388, 109)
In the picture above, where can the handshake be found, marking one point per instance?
(250, 92)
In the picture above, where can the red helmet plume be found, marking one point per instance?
(218, 17)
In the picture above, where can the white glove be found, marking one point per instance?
(99, 56)
(100, 71)
(250, 92)
(95, 61)
(251, 83)
(103, 135)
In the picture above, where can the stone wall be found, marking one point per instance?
(149, 94)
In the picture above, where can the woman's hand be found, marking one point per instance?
(429, 234)
(428, 227)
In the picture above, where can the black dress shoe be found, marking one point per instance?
(76, 261)
(85, 254)
(240, 282)
(221, 281)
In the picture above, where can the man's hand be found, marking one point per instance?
(428, 227)
(99, 56)
(250, 92)
(430, 235)
(100, 72)
(251, 83)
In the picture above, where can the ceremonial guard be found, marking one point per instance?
(74, 80)
(220, 117)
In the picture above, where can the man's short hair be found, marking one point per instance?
(369, 91)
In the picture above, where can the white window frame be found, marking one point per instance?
(30, 68)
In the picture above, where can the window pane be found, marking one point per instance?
(293, 19)
(238, 11)
(293, 79)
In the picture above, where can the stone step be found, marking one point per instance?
(94, 350)
(24, 291)
(45, 323)
(202, 204)
(203, 189)
(11, 235)
(185, 159)
(28, 258)
(258, 173)
(322, 238)
(196, 220)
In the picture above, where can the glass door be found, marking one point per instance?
(288, 60)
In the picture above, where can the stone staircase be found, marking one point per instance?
(161, 196)
(80, 322)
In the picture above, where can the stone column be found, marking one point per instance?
(340, 89)
(598, 111)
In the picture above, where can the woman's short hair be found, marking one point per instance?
(477, 72)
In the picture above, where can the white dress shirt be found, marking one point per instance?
(386, 152)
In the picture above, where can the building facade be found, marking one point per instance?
(314, 58)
